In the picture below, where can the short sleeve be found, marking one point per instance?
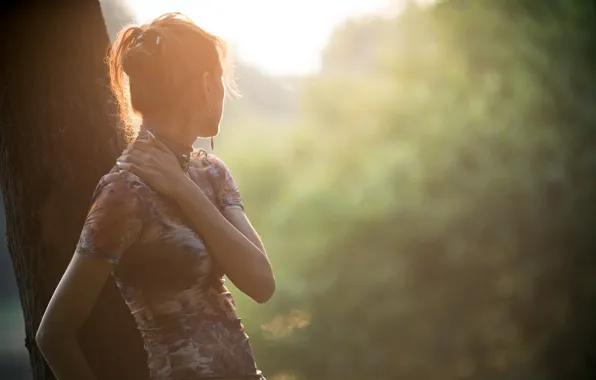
(226, 190)
(113, 222)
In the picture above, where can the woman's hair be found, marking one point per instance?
(155, 67)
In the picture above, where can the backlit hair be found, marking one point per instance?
(154, 66)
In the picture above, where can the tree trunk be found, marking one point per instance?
(58, 136)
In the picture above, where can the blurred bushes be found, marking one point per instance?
(428, 218)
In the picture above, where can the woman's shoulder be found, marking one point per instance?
(118, 183)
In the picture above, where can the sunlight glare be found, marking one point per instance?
(279, 37)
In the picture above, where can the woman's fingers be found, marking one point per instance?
(150, 147)
(144, 151)
(140, 154)
(141, 146)
(132, 159)
(153, 141)
(132, 168)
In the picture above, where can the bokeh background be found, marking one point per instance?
(422, 175)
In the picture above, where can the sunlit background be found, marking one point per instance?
(420, 175)
(279, 37)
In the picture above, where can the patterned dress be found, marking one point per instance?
(174, 288)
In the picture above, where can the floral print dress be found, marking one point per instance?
(174, 288)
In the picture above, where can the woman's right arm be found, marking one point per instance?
(112, 225)
(69, 307)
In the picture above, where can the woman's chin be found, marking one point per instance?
(209, 134)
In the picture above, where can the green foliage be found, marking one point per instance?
(426, 216)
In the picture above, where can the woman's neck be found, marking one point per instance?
(181, 150)
(173, 132)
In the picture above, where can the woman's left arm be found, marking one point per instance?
(232, 240)
(229, 234)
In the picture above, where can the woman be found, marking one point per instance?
(167, 223)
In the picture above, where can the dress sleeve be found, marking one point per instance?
(226, 190)
(113, 222)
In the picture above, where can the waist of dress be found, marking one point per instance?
(182, 325)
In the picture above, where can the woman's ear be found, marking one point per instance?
(211, 92)
(207, 85)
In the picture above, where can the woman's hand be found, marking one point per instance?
(155, 164)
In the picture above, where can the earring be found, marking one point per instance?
(209, 113)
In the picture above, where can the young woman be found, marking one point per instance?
(167, 222)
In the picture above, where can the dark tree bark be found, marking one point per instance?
(58, 136)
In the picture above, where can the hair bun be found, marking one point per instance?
(132, 61)
(142, 53)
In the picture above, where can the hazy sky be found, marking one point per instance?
(279, 36)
